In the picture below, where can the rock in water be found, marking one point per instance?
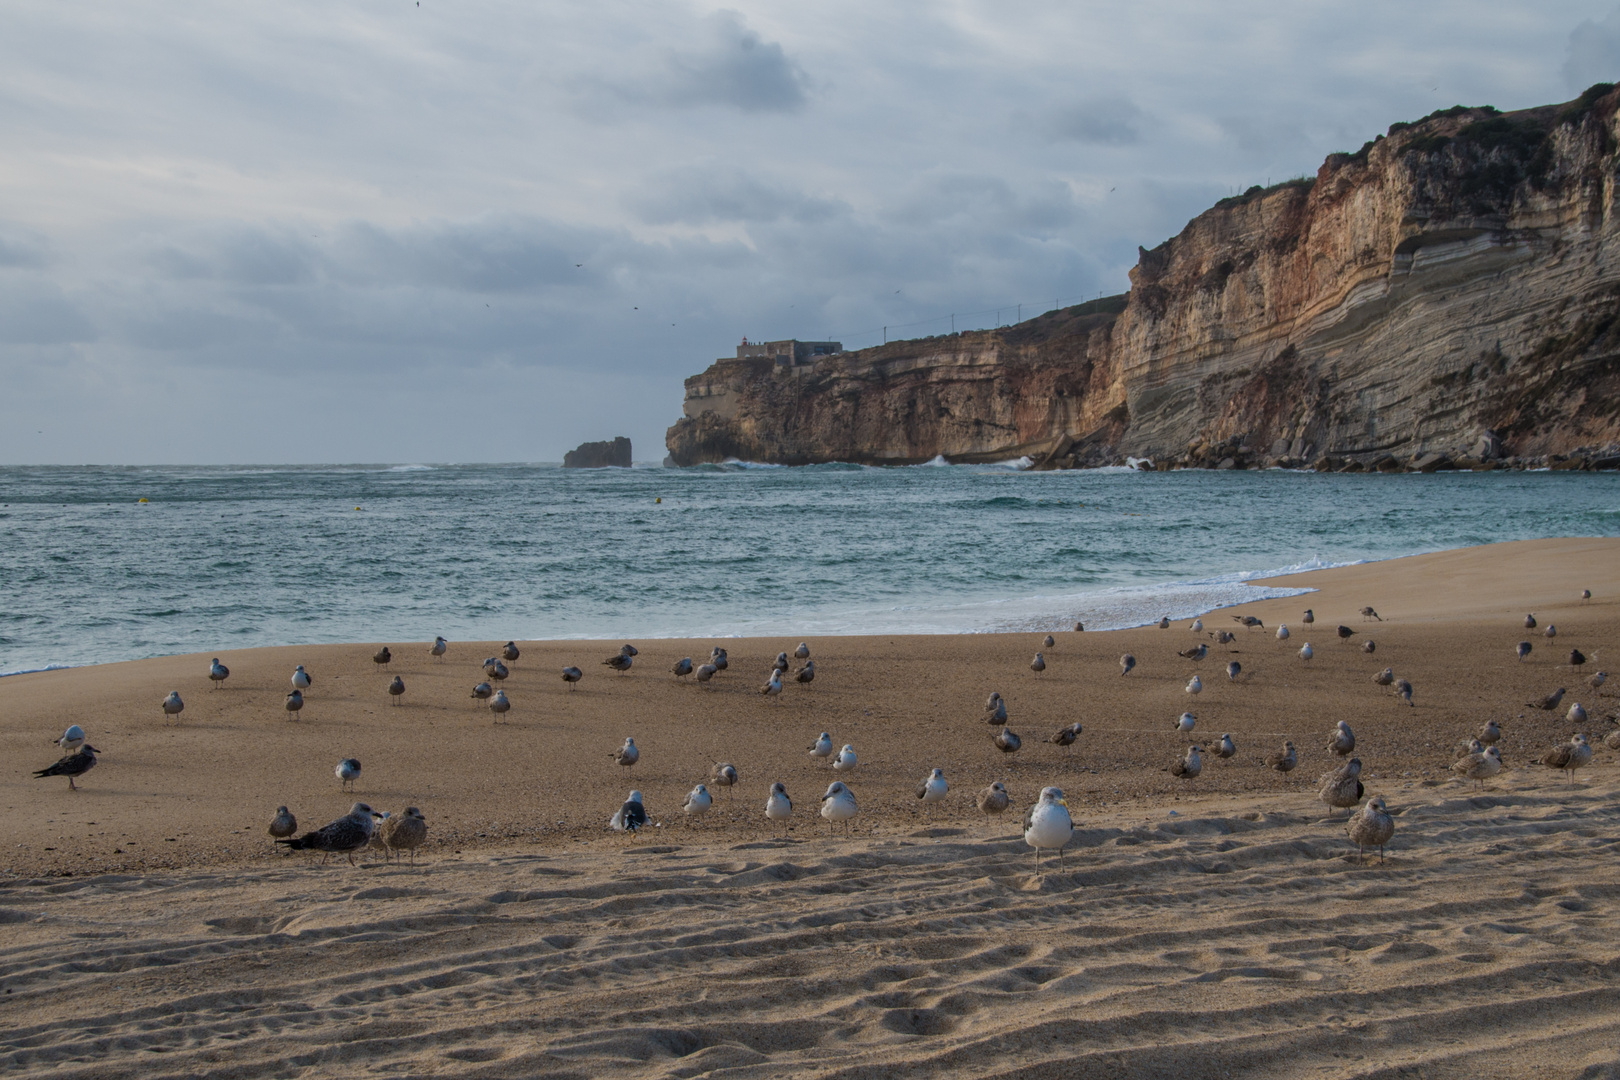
(599, 455)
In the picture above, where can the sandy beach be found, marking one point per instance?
(1198, 928)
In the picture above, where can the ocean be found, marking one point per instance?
(101, 564)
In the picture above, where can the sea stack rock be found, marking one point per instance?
(599, 455)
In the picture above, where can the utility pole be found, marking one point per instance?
(885, 335)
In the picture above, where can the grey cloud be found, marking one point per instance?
(704, 196)
(20, 247)
(38, 312)
(1104, 121)
(734, 67)
(1594, 53)
(1261, 135)
(239, 255)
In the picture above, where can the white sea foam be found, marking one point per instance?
(36, 670)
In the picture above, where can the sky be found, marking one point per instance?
(486, 232)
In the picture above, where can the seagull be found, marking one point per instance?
(1403, 690)
(822, 747)
(1369, 613)
(73, 737)
(995, 708)
(382, 657)
(344, 836)
(1369, 646)
(172, 706)
(773, 687)
(295, 701)
(300, 678)
(630, 817)
(1586, 594)
(1048, 641)
(1048, 826)
(497, 670)
(802, 652)
(1126, 663)
(627, 755)
(845, 760)
(1065, 737)
(1491, 733)
(1309, 617)
(1186, 721)
(1306, 653)
(396, 688)
(994, 799)
(629, 650)
(1233, 670)
(1345, 633)
(724, 774)
(697, 802)
(1596, 681)
(719, 659)
(1576, 714)
(620, 663)
(1249, 621)
(780, 664)
(1343, 741)
(499, 705)
(1371, 828)
(933, 789)
(1551, 631)
(1224, 637)
(572, 675)
(1189, 766)
(838, 804)
(705, 672)
(439, 648)
(75, 764)
(778, 807)
(405, 831)
(1283, 760)
(347, 772)
(509, 652)
(1038, 664)
(1529, 622)
(218, 672)
(805, 675)
(1342, 788)
(482, 691)
(1523, 650)
(1197, 652)
(683, 667)
(379, 821)
(283, 824)
(1480, 766)
(1197, 626)
(1079, 627)
(1576, 658)
(1006, 741)
(1225, 748)
(1164, 623)
(1282, 632)
(1569, 756)
(1196, 686)
(1548, 703)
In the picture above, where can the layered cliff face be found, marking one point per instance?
(1451, 288)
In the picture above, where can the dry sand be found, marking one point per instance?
(1200, 928)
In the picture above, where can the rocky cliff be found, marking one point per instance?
(599, 455)
(1449, 292)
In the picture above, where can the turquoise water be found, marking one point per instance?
(224, 558)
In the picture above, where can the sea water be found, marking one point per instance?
(100, 564)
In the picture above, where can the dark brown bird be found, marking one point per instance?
(1065, 737)
(1283, 760)
(1576, 658)
(1548, 703)
(75, 764)
(1369, 613)
(1523, 650)
(1529, 622)
(509, 653)
(396, 688)
(382, 657)
(1345, 633)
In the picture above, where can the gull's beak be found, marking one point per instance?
(1062, 802)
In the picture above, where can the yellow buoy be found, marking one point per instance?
(144, 500)
(357, 508)
(660, 499)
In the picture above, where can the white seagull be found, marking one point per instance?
(499, 705)
(779, 807)
(439, 647)
(1282, 632)
(218, 672)
(838, 804)
(933, 789)
(1048, 826)
(1195, 686)
(845, 760)
(73, 737)
(1306, 653)
(300, 678)
(697, 802)
(822, 748)
(172, 706)
(1186, 722)
(348, 771)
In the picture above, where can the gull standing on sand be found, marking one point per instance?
(1309, 616)
(1233, 670)
(1282, 632)
(1491, 733)
(1570, 756)
(1249, 621)
(1306, 653)
(1369, 646)
(780, 663)
(995, 708)
(697, 802)
(482, 692)
(73, 737)
(724, 774)
(1597, 680)
(1576, 714)
(1371, 828)
(283, 824)
(1586, 594)
(1006, 741)
(1126, 663)
(382, 657)
(172, 705)
(1186, 721)
(1345, 633)
(347, 772)
(1225, 637)
(1576, 658)
(1048, 641)
(1065, 737)
(627, 755)
(218, 672)
(499, 705)
(1225, 748)
(845, 761)
(1530, 622)
(1197, 626)
(1283, 760)
(1479, 766)
(440, 647)
(497, 670)
(295, 702)
(1551, 631)
(510, 653)
(838, 804)
(1038, 664)
(802, 652)
(1164, 623)
(405, 832)
(773, 687)
(345, 836)
(1342, 788)
(1047, 826)
(300, 678)
(631, 816)
(572, 675)
(1548, 703)
(1189, 766)
(1403, 690)
(1343, 741)
(705, 672)
(1369, 613)
(1197, 652)
(396, 689)
(717, 657)
(778, 807)
(75, 764)
(805, 675)
(622, 661)
(934, 788)
(822, 747)
(1195, 686)
(683, 667)
(1523, 649)
(994, 799)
